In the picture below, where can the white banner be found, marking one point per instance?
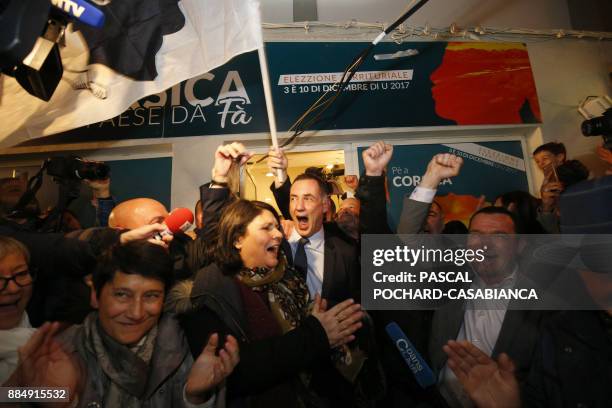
(214, 32)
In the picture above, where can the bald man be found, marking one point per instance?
(137, 212)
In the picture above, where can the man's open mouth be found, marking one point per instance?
(302, 221)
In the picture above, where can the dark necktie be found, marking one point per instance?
(300, 261)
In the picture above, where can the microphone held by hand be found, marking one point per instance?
(179, 220)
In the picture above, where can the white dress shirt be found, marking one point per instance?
(482, 322)
(423, 194)
(315, 256)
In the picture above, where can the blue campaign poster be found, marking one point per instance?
(441, 84)
(489, 169)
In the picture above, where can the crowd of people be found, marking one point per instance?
(260, 309)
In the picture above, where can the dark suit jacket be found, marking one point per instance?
(572, 363)
(413, 216)
(341, 268)
(341, 281)
(282, 196)
(519, 329)
(373, 215)
(403, 390)
(517, 337)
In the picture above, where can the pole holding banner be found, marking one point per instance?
(263, 64)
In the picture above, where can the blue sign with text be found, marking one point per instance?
(489, 169)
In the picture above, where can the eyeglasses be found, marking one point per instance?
(21, 279)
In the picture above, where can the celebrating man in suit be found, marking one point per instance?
(328, 258)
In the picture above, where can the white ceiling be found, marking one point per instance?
(437, 13)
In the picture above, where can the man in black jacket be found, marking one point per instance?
(327, 256)
(402, 389)
(571, 366)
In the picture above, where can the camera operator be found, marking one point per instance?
(94, 204)
(600, 126)
(18, 204)
(11, 189)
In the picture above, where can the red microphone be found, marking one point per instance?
(179, 220)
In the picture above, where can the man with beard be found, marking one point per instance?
(347, 217)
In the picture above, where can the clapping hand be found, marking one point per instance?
(43, 362)
(339, 322)
(489, 383)
(210, 368)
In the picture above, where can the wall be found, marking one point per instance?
(565, 72)
(591, 14)
(191, 167)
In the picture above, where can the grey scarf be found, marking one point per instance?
(125, 369)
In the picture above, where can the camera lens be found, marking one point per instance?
(588, 128)
(92, 170)
(601, 125)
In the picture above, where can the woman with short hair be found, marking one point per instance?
(15, 293)
(128, 353)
